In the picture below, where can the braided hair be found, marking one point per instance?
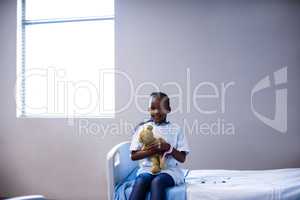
(164, 98)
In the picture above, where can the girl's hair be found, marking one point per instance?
(164, 97)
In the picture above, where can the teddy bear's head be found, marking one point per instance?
(146, 136)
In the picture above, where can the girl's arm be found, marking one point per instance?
(141, 154)
(179, 155)
(156, 148)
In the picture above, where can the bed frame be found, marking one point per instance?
(118, 166)
(31, 197)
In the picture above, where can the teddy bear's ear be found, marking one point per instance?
(150, 128)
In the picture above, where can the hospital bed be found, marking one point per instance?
(278, 184)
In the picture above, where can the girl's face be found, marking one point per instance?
(158, 109)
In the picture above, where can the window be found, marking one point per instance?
(65, 58)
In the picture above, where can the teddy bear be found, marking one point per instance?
(147, 138)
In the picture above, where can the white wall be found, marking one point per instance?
(240, 41)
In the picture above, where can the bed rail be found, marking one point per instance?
(119, 165)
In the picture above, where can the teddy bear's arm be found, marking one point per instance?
(155, 164)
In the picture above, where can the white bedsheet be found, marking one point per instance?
(280, 184)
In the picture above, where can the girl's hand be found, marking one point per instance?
(159, 147)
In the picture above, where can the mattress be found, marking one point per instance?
(280, 184)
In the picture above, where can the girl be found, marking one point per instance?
(176, 146)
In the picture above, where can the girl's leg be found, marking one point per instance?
(159, 185)
(141, 186)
